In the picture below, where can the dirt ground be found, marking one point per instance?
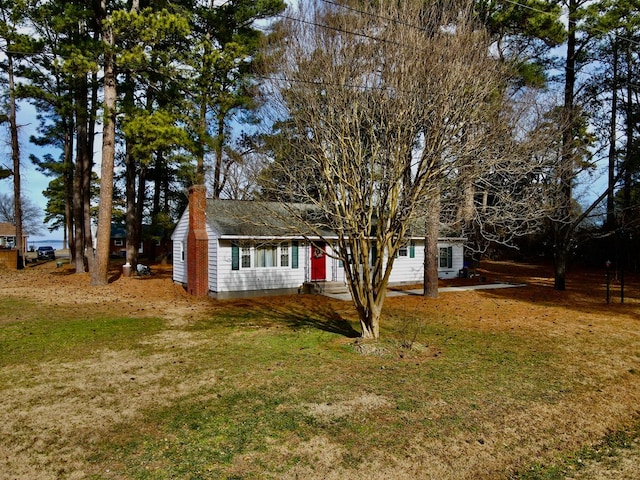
(537, 306)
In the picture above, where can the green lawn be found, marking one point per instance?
(263, 389)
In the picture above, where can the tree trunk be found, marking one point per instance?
(611, 215)
(370, 322)
(219, 176)
(630, 144)
(131, 222)
(78, 219)
(15, 156)
(69, 235)
(567, 163)
(139, 212)
(85, 163)
(560, 265)
(431, 246)
(100, 272)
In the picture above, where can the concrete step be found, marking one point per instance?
(325, 287)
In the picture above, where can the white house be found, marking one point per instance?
(249, 250)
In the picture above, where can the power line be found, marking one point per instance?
(374, 15)
(340, 30)
(513, 2)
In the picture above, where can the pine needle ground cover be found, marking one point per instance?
(139, 380)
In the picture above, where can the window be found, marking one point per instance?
(266, 256)
(446, 257)
(182, 251)
(118, 242)
(403, 252)
(284, 254)
(246, 257)
(240, 255)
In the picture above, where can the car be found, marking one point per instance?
(46, 253)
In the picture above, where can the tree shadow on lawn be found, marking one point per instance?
(302, 311)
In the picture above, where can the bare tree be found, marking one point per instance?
(381, 95)
(31, 214)
(510, 187)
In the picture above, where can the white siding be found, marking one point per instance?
(407, 269)
(411, 270)
(257, 278)
(223, 279)
(179, 238)
(213, 259)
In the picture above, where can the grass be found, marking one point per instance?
(267, 374)
(32, 333)
(607, 452)
(491, 387)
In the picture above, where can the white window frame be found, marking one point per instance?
(266, 255)
(245, 256)
(285, 255)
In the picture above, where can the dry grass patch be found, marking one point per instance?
(138, 380)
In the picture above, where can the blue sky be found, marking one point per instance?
(33, 182)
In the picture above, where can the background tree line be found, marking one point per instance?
(170, 93)
(155, 92)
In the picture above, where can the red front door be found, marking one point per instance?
(318, 262)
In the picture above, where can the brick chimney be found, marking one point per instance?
(197, 243)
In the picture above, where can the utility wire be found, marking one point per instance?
(349, 32)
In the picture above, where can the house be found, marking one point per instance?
(227, 247)
(152, 246)
(8, 236)
(8, 253)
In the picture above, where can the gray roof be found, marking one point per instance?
(240, 218)
(252, 219)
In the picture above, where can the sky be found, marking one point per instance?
(33, 183)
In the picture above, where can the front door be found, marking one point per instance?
(318, 262)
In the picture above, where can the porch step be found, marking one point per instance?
(325, 288)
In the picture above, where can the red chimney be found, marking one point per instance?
(197, 243)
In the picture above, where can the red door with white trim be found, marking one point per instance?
(318, 262)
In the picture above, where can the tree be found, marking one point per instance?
(63, 86)
(31, 214)
(587, 23)
(383, 104)
(480, 201)
(14, 46)
(224, 50)
(151, 43)
(103, 236)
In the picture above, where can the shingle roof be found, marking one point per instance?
(251, 219)
(238, 218)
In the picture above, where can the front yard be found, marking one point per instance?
(139, 380)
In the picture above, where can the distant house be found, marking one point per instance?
(152, 246)
(8, 236)
(226, 247)
(8, 251)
